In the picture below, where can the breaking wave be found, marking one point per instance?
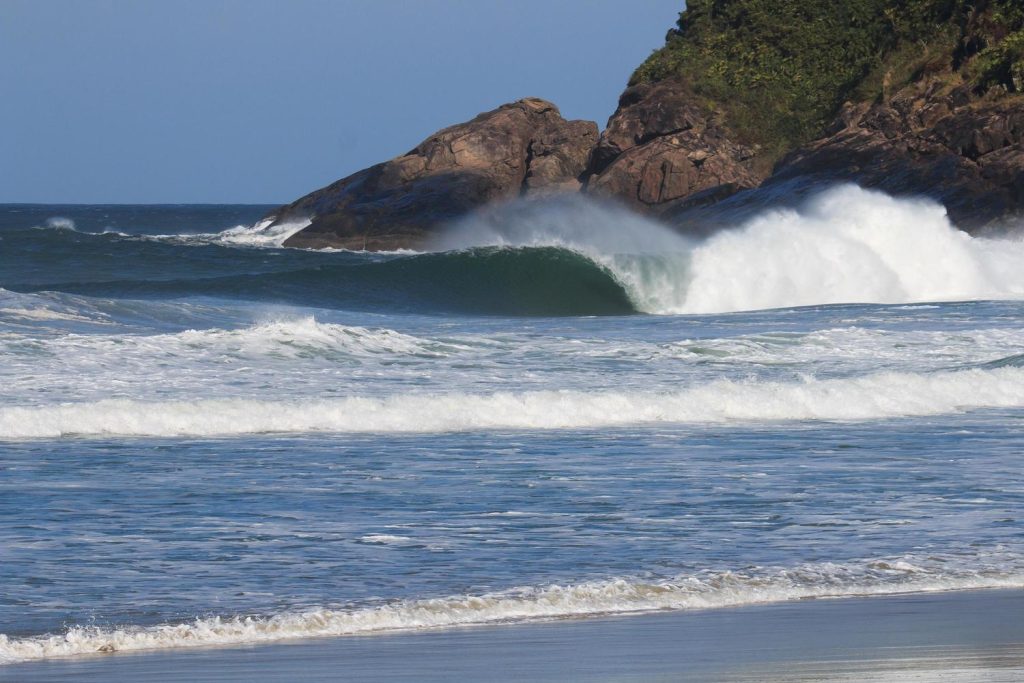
(706, 590)
(847, 245)
(875, 396)
(264, 233)
(571, 256)
(486, 280)
(59, 223)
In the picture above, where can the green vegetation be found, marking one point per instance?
(778, 70)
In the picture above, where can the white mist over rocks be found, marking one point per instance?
(846, 245)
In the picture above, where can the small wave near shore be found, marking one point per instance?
(707, 590)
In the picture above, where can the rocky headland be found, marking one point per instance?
(524, 148)
(749, 103)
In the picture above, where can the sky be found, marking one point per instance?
(262, 101)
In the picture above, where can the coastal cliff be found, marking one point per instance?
(747, 100)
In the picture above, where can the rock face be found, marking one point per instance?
(660, 147)
(663, 154)
(959, 149)
(522, 148)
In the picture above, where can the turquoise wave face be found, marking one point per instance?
(539, 281)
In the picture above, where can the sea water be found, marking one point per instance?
(558, 409)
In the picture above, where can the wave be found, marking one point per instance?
(264, 233)
(486, 280)
(306, 336)
(294, 338)
(616, 596)
(1014, 361)
(847, 245)
(876, 396)
(40, 314)
(851, 245)
(877, 348)
(32, 308)
(561, 257)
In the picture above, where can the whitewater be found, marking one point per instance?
(556, 409)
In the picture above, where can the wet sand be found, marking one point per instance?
(960, 636)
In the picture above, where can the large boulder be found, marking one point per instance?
(524, 148)
(661, 147)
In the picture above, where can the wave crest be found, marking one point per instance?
(847, 245)
(877, 396)
(306, 336)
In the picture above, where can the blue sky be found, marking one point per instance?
(259, 101)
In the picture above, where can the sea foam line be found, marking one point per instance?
(615, 596)
(875, 396)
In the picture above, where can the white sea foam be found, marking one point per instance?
(262, 234)
(385, 539)
(615, 596)
(876, 396)
(60, 223)
(850, 245)
(847, 245)
(300, 336)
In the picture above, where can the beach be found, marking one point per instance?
(955, 636)
(703, 363)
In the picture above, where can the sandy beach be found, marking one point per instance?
(959, 636)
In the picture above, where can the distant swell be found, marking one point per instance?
(616, 596)
(883, 395)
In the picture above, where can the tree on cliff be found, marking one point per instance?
(778, 70)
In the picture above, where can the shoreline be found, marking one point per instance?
(952, 635)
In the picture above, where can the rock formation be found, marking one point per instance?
(733, 115)
(522, 148)
(660, 146)
(929, 140)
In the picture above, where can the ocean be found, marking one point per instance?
(560, 409)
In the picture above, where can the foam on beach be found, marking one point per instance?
(616, 596)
